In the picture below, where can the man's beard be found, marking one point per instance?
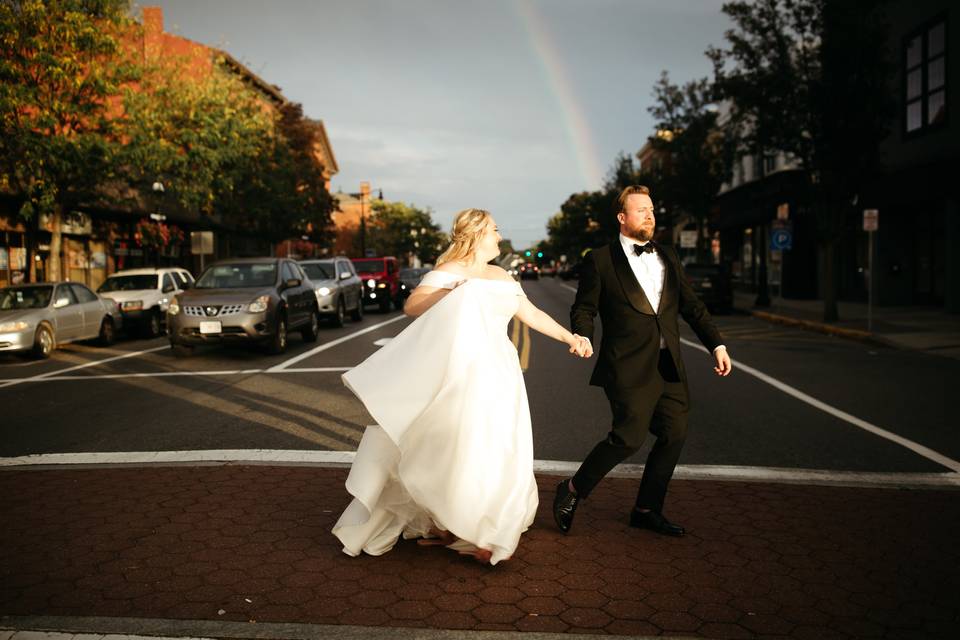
(640, 233)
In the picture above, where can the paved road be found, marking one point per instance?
(137, 396)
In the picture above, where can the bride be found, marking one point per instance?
(450, 459)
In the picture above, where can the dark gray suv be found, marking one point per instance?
(244, 300)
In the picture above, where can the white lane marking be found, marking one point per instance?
(382, 342)
(174, 374)
(559, 467)
(332, 343)
(917, 448)
(41, 376)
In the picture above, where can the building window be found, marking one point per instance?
(925, 77)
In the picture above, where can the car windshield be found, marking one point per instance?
(237, 276)
(370, 266)
(129, 283)
(25, 297)
(410, 274)
(319, 270)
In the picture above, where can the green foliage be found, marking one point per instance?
(697, 157)
(60, 61)
(200, 136)
(84, 120)
(398, 229)
(588, 219)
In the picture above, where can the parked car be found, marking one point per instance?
(36, 318)
(244, 300)
(381, 281)
(713, 284)
(529, 271)
(410, 279)
(144, 295)
(338, 288)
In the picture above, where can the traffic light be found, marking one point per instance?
(528, 253)
(539, 254)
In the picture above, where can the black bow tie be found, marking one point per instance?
(640, 249)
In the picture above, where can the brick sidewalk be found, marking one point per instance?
(246, 543)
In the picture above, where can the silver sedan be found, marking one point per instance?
(37, 317)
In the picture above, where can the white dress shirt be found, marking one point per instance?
(649, 270)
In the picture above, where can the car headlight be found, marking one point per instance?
(174, 307)
(259, 305)
(403, 286)
(382, 285)
(132, 305)
(371, 283)
(14, 326)
(323, 291)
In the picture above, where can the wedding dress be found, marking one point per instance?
(452, 447)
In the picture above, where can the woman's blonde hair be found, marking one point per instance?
(468, 228)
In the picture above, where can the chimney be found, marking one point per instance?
(153, 20)
(152, 32)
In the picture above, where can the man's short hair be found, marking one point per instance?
(629, 191)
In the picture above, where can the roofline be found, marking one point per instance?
(259, 82)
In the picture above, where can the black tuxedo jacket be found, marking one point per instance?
(630, 350)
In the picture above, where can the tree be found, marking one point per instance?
(60, 62)
(222, 152)
(401, 230)
(808, 77)
(697, 155)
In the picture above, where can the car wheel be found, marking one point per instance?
(357, 314)
(398, 303)
(312, 330)
(152, 329)
(278, 344)
(340, 316)
(107, 333)
(181, 350)
(43, 342)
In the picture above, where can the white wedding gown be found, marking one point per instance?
(452, 447)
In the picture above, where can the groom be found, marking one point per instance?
(639, 289)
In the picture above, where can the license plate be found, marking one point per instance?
(210, 327)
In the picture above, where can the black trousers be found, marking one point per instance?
(636, 411)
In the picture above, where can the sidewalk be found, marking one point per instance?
(246, 552)
(928, 329)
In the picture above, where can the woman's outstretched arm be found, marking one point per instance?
(543, 323)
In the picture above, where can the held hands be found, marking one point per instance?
(723, 367)
(580, 346)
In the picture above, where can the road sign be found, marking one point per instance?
(201, 242)
(688, 239)
(781, 239)
(871, 219)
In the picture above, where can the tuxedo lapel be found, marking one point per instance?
(631, 288)
(670, 285)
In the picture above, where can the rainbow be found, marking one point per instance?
(575, 121)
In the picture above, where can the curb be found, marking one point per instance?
(95, 628)
(820, 327)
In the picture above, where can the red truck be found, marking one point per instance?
(381, 281)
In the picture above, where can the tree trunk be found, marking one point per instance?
(55, 271)
(830, 312)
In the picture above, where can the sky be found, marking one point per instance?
(505, 105)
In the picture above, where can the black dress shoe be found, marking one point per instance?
(655, 522)
(564, 506)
